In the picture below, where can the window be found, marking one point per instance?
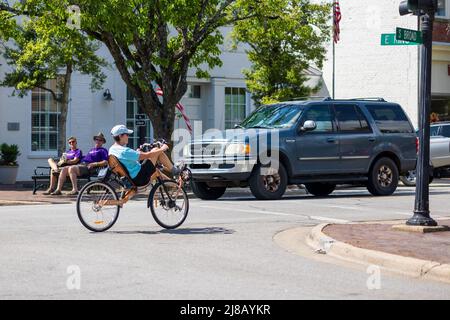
(434, 131)
(273, 116)
(351, 120)
(235, 104)
(132, 111)
(442, 8)
(440, 107)
(322, 116)
(44, 119)
(445, 131)
(193, 91)
(390, 118)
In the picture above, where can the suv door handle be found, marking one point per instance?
(331, 140)
(372, 139)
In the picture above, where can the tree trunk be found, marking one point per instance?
(163, 119)
(64, 107)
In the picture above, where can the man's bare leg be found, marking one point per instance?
(165, 161)
(162, 158)
(53, 180)
(74, 172)
(53, 164)
(62, 178)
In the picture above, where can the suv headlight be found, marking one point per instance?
(237, 149)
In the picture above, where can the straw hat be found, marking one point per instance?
(100, 136)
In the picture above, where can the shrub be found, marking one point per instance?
(9, 154)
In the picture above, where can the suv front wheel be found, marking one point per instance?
(320, 189)
(270, 184)
(205, 192)
(383, 177)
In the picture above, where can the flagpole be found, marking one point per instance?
(334, 54)
(334, 69)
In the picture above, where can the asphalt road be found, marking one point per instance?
(224, 250)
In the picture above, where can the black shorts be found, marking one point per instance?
(144, 175)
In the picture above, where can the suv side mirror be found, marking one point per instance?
(309, 125)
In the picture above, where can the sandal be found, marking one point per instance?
(56, 193)
(48, 192)
(72, 193)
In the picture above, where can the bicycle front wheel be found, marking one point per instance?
(97, 206)
(169, 204)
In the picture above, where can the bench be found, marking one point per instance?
(42, 174)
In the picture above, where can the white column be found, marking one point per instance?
(218, 102)
(250, 104)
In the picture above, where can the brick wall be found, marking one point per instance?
(441, 32)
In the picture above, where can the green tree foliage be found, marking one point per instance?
(39, 48)
(154, 42)
(284, 38)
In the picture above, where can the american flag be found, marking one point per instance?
(336, 20)
(180, 108)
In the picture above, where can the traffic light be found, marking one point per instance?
(416, 6)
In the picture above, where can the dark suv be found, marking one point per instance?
(320, 144)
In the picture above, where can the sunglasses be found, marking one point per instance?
(98, 140)
(72, 141)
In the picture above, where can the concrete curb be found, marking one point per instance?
(412, 267)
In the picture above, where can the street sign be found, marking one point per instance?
(140, 123)
(409, 35)
(140, 116)
(388, 39)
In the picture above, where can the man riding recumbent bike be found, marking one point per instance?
(99, 203)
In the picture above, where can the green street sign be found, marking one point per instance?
(409, 35)
(388, 39)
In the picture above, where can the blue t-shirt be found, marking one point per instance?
(128, 157)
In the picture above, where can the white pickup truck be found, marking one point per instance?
(439, 153)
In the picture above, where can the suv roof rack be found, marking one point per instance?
(378, 99)
(310, 98)
(371, 99)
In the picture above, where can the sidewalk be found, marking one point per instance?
(421, 255)
(19, 195)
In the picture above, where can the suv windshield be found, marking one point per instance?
(273, 116)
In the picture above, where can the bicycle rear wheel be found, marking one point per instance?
(97, 206)
(168, 204)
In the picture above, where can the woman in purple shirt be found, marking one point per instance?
(70, 157)
(96, 158)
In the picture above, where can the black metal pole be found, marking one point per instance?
(142, 133)
(141, 130)
(421, 215)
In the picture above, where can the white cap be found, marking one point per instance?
(120, 129)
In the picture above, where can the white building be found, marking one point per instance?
(365, 68)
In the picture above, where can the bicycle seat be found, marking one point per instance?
(118, 168)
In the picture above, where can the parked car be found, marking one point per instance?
(321, 144)
(439, 154)
(440, 146)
